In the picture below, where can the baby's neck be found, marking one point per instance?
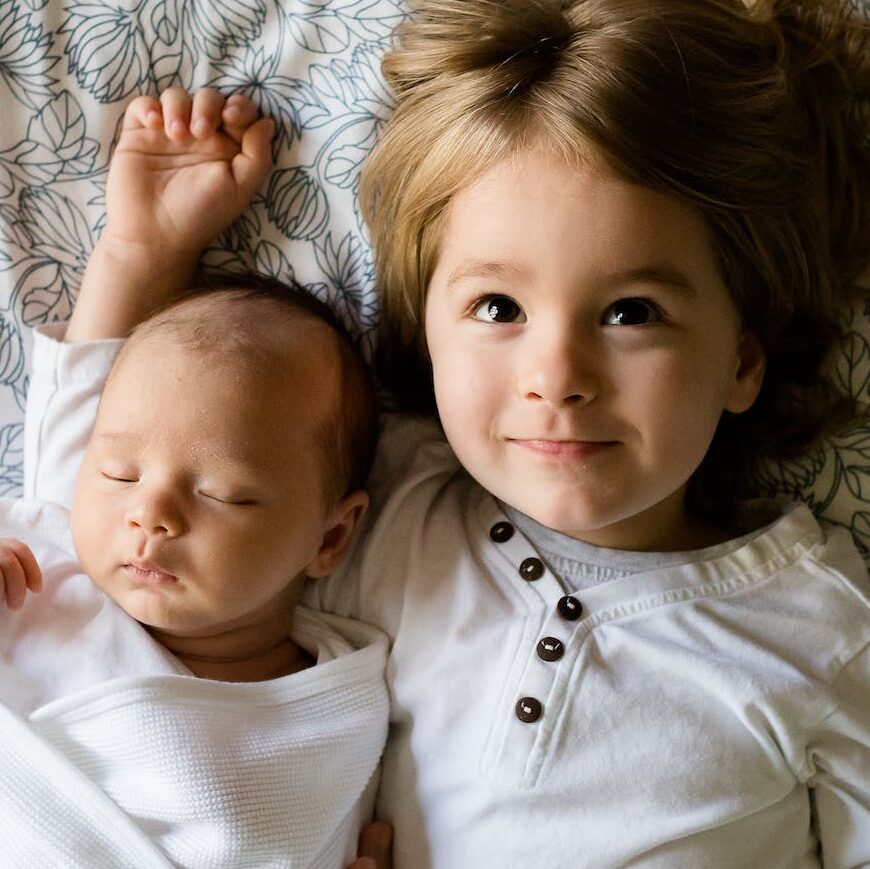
(253, 653)
(281, 660)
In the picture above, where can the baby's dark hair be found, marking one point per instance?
(757, 114)
(240, 318)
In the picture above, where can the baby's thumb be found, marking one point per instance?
(253, 162)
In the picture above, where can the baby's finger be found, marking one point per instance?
(255, 159)
(145, 112)
(205, 113)
(238, 114)
(14, 582)
(176, 105)
(375, 846)
(29, 564)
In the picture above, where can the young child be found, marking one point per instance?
(614, 236)
(225, 467)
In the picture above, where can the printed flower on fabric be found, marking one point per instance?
(106, 49)
(222, 23)
(25, 56)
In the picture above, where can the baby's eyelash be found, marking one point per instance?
(246, 502)
(117, 478)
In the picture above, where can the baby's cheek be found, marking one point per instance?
(90, 540)
(225, 565)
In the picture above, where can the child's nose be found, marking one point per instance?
(155, 511)
(558, 373)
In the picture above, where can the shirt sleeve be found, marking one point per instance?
(840, 755)
(62, 400)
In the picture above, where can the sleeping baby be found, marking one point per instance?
(224, 469)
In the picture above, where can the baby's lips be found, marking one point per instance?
(150, 573)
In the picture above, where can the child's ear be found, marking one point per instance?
(749, 375)
(338, 533)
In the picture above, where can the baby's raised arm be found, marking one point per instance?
(183, 169)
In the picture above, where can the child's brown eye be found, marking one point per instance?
(498, 309)
(632, 312)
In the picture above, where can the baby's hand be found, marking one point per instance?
(183, 169)
(19, 572)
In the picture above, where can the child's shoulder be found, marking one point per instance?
(807, 544)
(823, 591)
(801, 574)
(836, 559)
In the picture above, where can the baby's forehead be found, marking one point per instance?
(248, 407)
(254, 336)
(291, 357)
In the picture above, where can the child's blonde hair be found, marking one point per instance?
(756, 114)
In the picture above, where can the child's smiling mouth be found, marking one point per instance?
(562, 450)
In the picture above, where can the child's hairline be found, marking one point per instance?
(581, 154)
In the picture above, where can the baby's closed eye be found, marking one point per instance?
(119, 475)
(234, 500)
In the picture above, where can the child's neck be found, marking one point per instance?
(252, 653)
(666, 527)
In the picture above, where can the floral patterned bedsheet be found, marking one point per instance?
(68, 69)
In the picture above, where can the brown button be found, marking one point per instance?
(529, 710)
(569, 608)
(531, 569)
(550, 649)
(501, 532)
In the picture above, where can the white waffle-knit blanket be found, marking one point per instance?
(164, 769)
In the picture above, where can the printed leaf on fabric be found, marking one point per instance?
(55, 145)
(269, 259)
(11, 459)
(11, 351)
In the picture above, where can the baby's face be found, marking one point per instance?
(584, 348)
(201, 497)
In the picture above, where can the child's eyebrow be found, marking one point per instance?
(664, 275)
(467, 270)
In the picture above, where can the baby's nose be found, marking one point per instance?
(156, 512)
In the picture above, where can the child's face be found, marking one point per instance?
(583, 348)
(202, 496)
